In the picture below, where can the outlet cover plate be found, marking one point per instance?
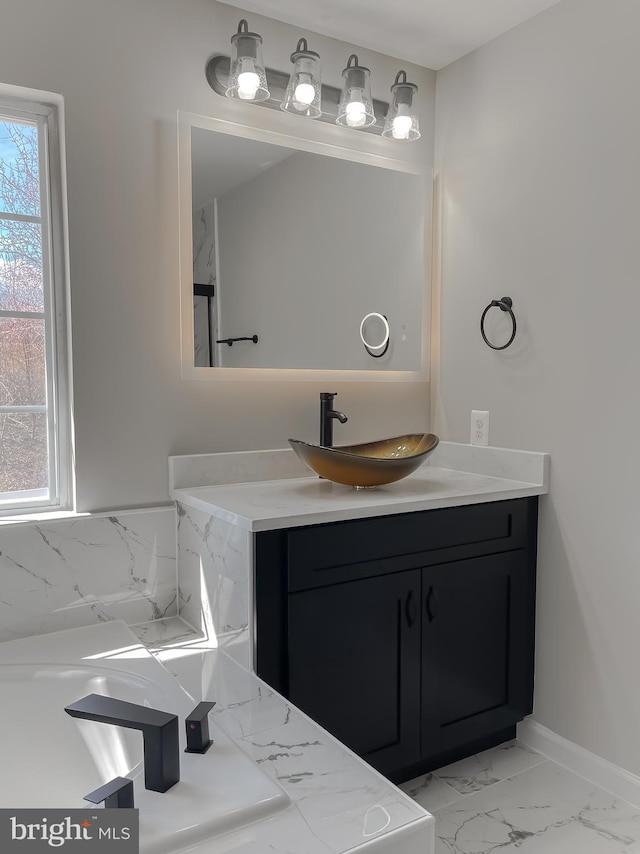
(479, 427)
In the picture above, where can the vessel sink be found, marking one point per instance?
(370, 464)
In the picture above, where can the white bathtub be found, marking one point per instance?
(55, 759)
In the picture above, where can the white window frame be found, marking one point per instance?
(46, 110)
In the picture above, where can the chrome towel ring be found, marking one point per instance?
(504, 304)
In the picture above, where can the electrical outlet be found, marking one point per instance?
(479, 427)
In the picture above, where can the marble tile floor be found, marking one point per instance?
(506, 800)
(512, 800)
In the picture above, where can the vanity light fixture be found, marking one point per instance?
(248, 78)
(356, 107)
(244, 77)
(304, 89)
(401, 121)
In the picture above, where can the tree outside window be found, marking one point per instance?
(24, 434)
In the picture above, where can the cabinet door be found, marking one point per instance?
(354, 664)
(477, 648)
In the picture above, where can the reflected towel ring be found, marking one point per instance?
(384, 345)
(504, 304)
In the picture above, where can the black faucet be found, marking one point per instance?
(116, 794)
(327, 414)
(197, 726)
(159, 731)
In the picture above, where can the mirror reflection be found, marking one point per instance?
(292, 250)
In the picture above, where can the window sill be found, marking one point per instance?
(18, 518)
(13, 517)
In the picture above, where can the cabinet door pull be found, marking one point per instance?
(432, 604)
(410, 609)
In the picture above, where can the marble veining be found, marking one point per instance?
(451, 782)
(511, 799)
(543, 810)
(204, 273)
(213, 588)
(204, 249)
(475, 772)
(338, 802)
(65, 573)
(430, 792)
(156, 634)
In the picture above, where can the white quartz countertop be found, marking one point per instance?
(272, 504)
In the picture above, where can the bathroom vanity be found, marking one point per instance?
(401, 619)
(410, 637)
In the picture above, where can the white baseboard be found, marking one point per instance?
(623, 784)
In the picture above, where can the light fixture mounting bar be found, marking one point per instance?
(217, 71)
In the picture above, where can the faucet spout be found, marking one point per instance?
(327, 416)
(159, 732)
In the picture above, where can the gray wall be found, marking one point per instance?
(311, 246)
(125, 67)
(538, 136)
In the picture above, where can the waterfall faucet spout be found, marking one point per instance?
(327, 416)
(159, 731)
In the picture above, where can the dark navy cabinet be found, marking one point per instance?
(354, 663)
(409, 637)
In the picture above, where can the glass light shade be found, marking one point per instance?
(304, 89)
(401, 121)
(247, 77)
(356, 107)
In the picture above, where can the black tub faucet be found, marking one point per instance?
(327, 414)
(159, 731)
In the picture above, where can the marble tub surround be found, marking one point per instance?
(338, 804)
(157, 634)
(213, 587)
(209, 795)
(66, 573)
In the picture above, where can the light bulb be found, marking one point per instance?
(248, 85)
(248, 80)
(305, 93)
(401, 127)
(356, 113)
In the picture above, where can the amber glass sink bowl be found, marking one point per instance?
(371, 464)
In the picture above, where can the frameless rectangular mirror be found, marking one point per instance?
(297, 256)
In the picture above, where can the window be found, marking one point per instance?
(35, 432)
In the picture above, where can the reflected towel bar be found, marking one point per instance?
(230, 341)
